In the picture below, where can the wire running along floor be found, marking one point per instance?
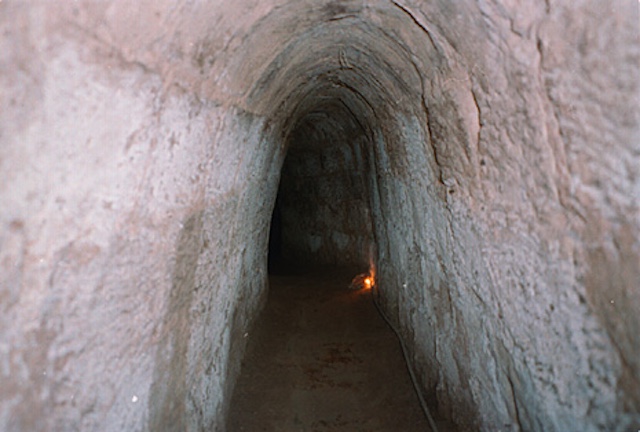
(320, 358)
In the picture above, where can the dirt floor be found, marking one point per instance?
(321, 358)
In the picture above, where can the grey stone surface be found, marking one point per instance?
(141, 145)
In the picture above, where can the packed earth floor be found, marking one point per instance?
(321, 358)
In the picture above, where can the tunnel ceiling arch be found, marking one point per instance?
(340, 50)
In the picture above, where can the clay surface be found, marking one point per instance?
(322, 359)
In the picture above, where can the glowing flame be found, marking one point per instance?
(368, 282)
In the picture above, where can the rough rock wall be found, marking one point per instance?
(133, 227)
(526, 320)
(140, 151)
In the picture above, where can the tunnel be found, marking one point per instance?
(158, 159)
(322, 212)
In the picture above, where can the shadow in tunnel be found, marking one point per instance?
(275, 258)
(277, 262)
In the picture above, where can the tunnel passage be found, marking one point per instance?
(321, 215)
(142, 147)
(339, 101)
(350, 112)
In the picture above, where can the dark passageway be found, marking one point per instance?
(321, 358)
(275, 258)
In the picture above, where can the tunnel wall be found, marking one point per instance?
(140, 152)
(488, 233)
(132, 233)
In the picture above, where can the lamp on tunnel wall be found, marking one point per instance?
(368, 282)
(365, 280)
(362, 281)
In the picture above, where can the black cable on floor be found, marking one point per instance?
(416, 387)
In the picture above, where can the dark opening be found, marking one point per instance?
(275, 257)
(325, 358)
(321, 216)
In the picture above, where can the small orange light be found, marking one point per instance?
(368, 282)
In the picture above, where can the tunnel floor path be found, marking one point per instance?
(320, 358)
